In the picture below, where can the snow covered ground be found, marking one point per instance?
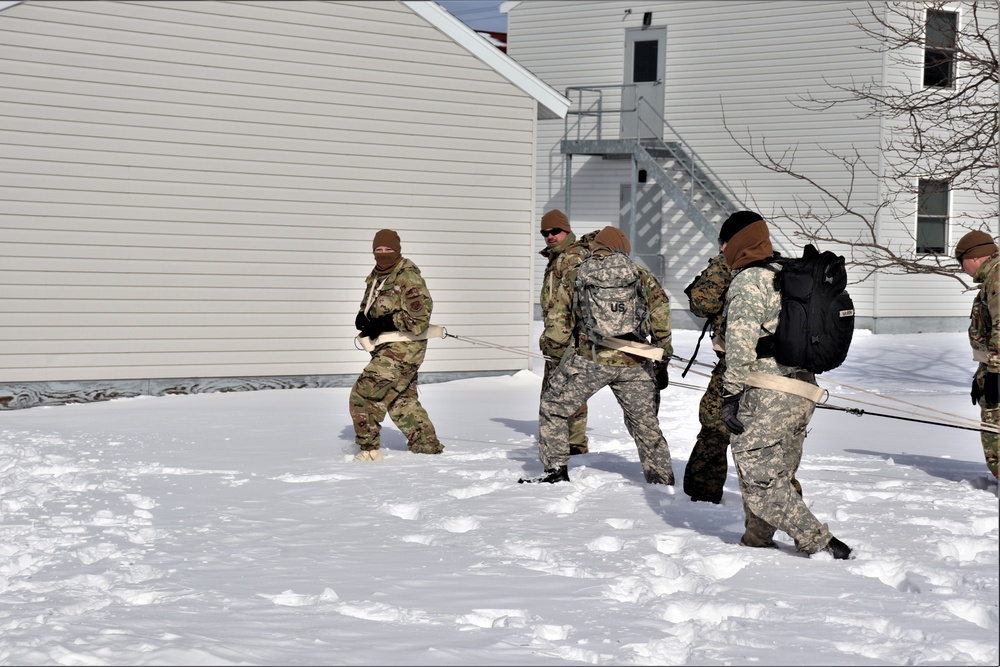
(234, 529)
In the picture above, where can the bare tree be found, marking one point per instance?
(946, 129)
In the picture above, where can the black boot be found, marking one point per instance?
(551, 476)
(560, 474)
(656, 477)
(837, 549)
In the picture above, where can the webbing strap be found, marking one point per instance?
(433, 331)
(631, 347)
(806, 390)
(696, 346)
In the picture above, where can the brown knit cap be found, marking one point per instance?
(387, 238)
(555, 219)
(975, 244)
(613, 238)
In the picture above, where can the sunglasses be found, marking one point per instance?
(551, 232)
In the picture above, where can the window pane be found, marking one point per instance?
(941, 30)
(932, 216)
(939, 53)
(644, 61)
(937, 69)
(930, 234)
(933, 198)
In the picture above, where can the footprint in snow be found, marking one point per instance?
(407, 511)
(606, 543)
(477, 490)
(494, 618)
(460, 524)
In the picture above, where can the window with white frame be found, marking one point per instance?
(939, 48)
(932, 216)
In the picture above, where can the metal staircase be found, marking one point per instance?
(670, 162)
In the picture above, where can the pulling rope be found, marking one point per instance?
(956, 421)
(516, 350)
(859, 412)
(982, 427)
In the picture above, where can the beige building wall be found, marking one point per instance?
(190, 188)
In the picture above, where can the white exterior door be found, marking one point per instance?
(642, 94)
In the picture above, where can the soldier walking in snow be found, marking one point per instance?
(705, 474)
(564, 253)
(768, 424)
(396, 299)
(708, 465)
(978, 255)
(589, 364)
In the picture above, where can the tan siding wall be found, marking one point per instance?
(737, 65)
(190, 188)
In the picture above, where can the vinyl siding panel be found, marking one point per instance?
(736, 76)
(904, 296)
(191, 188)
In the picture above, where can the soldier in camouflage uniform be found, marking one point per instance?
(708, 465)
(564, 254)
(585, 369)
(396, 299)
(705, 474)
(768, 425)
(978, 255)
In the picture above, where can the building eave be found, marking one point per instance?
(551, 104)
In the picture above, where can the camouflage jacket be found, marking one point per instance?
(404, 294)
(751, 312)
(707, 296)
(563, 259)
(563, 322)
(984, 327)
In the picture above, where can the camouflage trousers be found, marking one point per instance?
(708, 465)
(579, 378)
(577, 420)
(991, 441)
(390, 385)
(767, 454)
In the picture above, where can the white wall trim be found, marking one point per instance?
(552, 104)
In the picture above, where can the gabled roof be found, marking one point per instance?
(551, 104)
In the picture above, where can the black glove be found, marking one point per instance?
(992, 390)
(660, 375)
(730, 406)
(976, 391)
(361, 321)
(378, 325)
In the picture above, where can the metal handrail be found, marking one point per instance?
(598, 111)
(697, 164)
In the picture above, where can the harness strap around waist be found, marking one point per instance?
(631, 347)
(806, 390)
(432, 331)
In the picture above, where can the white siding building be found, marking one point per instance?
(190, 190)
(715, 77)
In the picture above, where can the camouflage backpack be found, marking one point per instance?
(610, 298)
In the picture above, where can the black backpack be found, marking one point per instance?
(816, 323)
